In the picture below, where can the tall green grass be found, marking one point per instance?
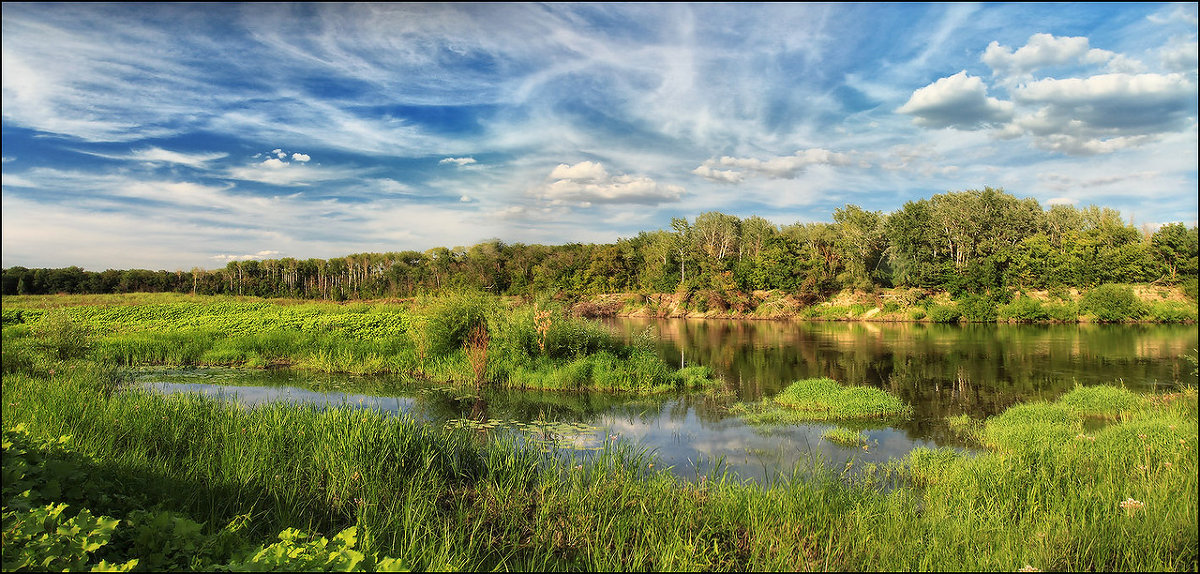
(424, 340)
(823, 400)
(440, 499)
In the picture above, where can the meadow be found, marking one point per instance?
(98, 474)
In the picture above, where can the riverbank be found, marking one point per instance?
(186, 483)
(461, 339)
(1105, 304)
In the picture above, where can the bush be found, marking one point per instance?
(1024, 309)
(944, 314)
(63, 336)
(890, 307)
(1065, 312)
(453, 319)
(1112, 304)
(977, 309)
(1172, 312)
(916, 314)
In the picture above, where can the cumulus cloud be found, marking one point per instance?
(1040, 51)
(458, 161)
(301, 157)
(582, 172)
(1180, 56)
(959, 101)
(780, 167)
(1104, 113)
(275, 163)
(719, 175)
(588, 182)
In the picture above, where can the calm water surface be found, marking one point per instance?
(941, 369)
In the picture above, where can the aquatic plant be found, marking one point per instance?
(820, 400)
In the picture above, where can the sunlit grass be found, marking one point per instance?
(823, 400)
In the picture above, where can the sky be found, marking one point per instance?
(178, 136)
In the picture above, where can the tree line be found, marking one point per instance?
(975, 241)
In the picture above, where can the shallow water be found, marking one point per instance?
(941, 370)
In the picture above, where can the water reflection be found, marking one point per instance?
(941, 370)
(686, 434)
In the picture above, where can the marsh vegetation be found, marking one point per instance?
(1101, 477)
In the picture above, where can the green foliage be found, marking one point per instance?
(845, 437)
(44, 538)
(916, 314)
(1112, 304)
(452, 318)
(1101, 401)
(1171, 312)
(298, 552)
(63, 336)
(1189, 285)
(820, 400)
(1063, 313)
(1023, 310)
(976, 309)
(944, 314)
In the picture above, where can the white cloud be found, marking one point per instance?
(158, 155)
(279, 153)
(588, 182)
(582, 172)
(1104, 113)
(780, 167)
(1040, 51)
(458, 161)
(301, 157)
(719, 175)
(1180, 56)
(264, 254)
(959, 101)
(277, 172)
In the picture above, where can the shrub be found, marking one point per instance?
(916, 314)
(1112, 303)
(1023, 309)
(1064, 312)
(977, 309)
(452, 320)
(944, 314)
(63, 336)
(1172, 312)
(890, 307)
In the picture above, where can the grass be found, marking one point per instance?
(423, 339)
(198, 484)
(439, 499)
(822, 400)
(845, 437)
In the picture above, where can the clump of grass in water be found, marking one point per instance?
(823, 400)
(845, 437)
(1102, 401)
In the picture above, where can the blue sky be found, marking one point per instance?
(175, 136)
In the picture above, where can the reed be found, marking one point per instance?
(440, 499)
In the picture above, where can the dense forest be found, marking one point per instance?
(963, 242)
